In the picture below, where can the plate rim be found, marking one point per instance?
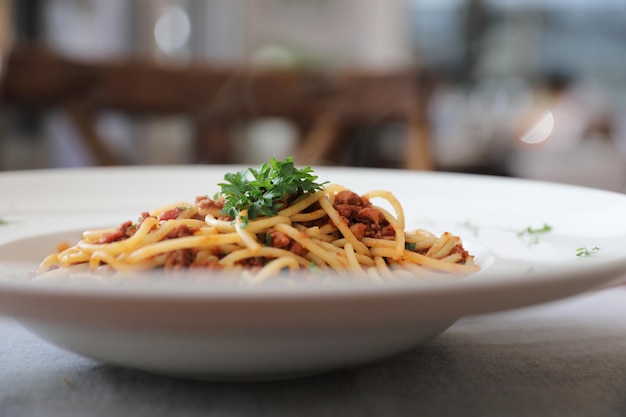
(589, 268)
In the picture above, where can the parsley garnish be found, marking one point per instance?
(584, 252)
(272, 184)
(410, 246)
(533, 234)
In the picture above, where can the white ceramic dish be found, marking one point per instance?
(226, 334)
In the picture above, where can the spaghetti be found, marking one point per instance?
(329, 232)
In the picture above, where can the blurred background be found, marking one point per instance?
(529, 88)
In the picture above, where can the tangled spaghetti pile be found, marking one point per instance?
(328, 232)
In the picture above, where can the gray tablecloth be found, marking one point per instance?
(566, 358)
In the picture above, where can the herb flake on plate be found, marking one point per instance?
(583, 252)
(532, 235)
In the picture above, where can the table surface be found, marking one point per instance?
(566, 358)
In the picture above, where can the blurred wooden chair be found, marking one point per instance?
(322, 105)
(361, 99)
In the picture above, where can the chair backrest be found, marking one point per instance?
(321, 104)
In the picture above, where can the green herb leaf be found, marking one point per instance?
(584, 252)
(530, 231)
(268, 189)
(410, 246)
(314, 269)
(533, 234)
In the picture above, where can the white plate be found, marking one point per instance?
(219, 333)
